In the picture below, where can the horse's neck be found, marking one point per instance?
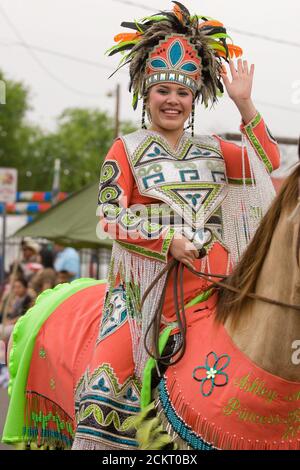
(267, 332)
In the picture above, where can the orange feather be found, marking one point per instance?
(126, 36)
(235, 50)
(177, 12)
(220, 54)
(210, 23)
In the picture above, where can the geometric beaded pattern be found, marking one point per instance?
(114, 313)
(104, 408)
(174, 59)
(109, 201)
(180, 427)
(108, 191)
(191, 179)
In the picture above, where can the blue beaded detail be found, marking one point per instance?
(114, 313)
(182, 429)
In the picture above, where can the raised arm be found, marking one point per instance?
(253, 126)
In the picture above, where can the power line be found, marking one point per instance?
(30, 47)
(282, 42)
(37, 60)
(96, 64)
(63, 55)
(238, 31)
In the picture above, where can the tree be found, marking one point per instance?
(81, 141)
(12, 114)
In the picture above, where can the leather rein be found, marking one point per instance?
(171, 265)
(176, 267)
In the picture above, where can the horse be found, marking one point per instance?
(237, 385)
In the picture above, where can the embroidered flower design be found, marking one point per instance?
(193, 198)
(211, 374)
(101, 385)
(129, 395)
(42, 353)
(157, 152)
(175, 59)
(200, 153)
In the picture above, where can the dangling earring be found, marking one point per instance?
(193, 119)
(143, 116)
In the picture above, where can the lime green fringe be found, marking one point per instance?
(150, 433)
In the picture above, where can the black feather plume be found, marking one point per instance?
(184, 10)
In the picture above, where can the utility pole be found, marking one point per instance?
(117, 116)
(56, 181)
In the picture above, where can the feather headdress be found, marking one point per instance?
(175, 46)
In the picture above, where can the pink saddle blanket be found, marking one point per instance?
(216, 394)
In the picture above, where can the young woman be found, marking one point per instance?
(166, 193)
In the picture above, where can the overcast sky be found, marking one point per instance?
(85, 29)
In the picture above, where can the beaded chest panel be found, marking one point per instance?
(191, 179)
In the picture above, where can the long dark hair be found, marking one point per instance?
(245, 274)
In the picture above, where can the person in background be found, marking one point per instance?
(43, 280)
(47, 255)
(22, 302)
(8, 297)
(31, 260)
(67, 259)
(62, 277)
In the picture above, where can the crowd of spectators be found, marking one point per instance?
(40, 267)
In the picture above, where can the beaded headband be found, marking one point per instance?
(175, 60)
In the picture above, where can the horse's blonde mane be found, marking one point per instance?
(245, 274)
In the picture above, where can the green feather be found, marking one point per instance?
(121, 46)
(138, 26)
(220, 36)
(208, 18)
(216, 45)
(154, 18)
(123, 60)
(135, 99)
(150, 434)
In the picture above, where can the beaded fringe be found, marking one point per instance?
(138, 272)
(210, 433)
(46, 424)
(246, 204)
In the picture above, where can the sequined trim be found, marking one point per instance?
(255, 142)
(241, 182)
(139, 250)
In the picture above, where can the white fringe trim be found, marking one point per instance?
(139, 271)
(245, 205)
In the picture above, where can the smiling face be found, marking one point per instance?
(169, 106)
